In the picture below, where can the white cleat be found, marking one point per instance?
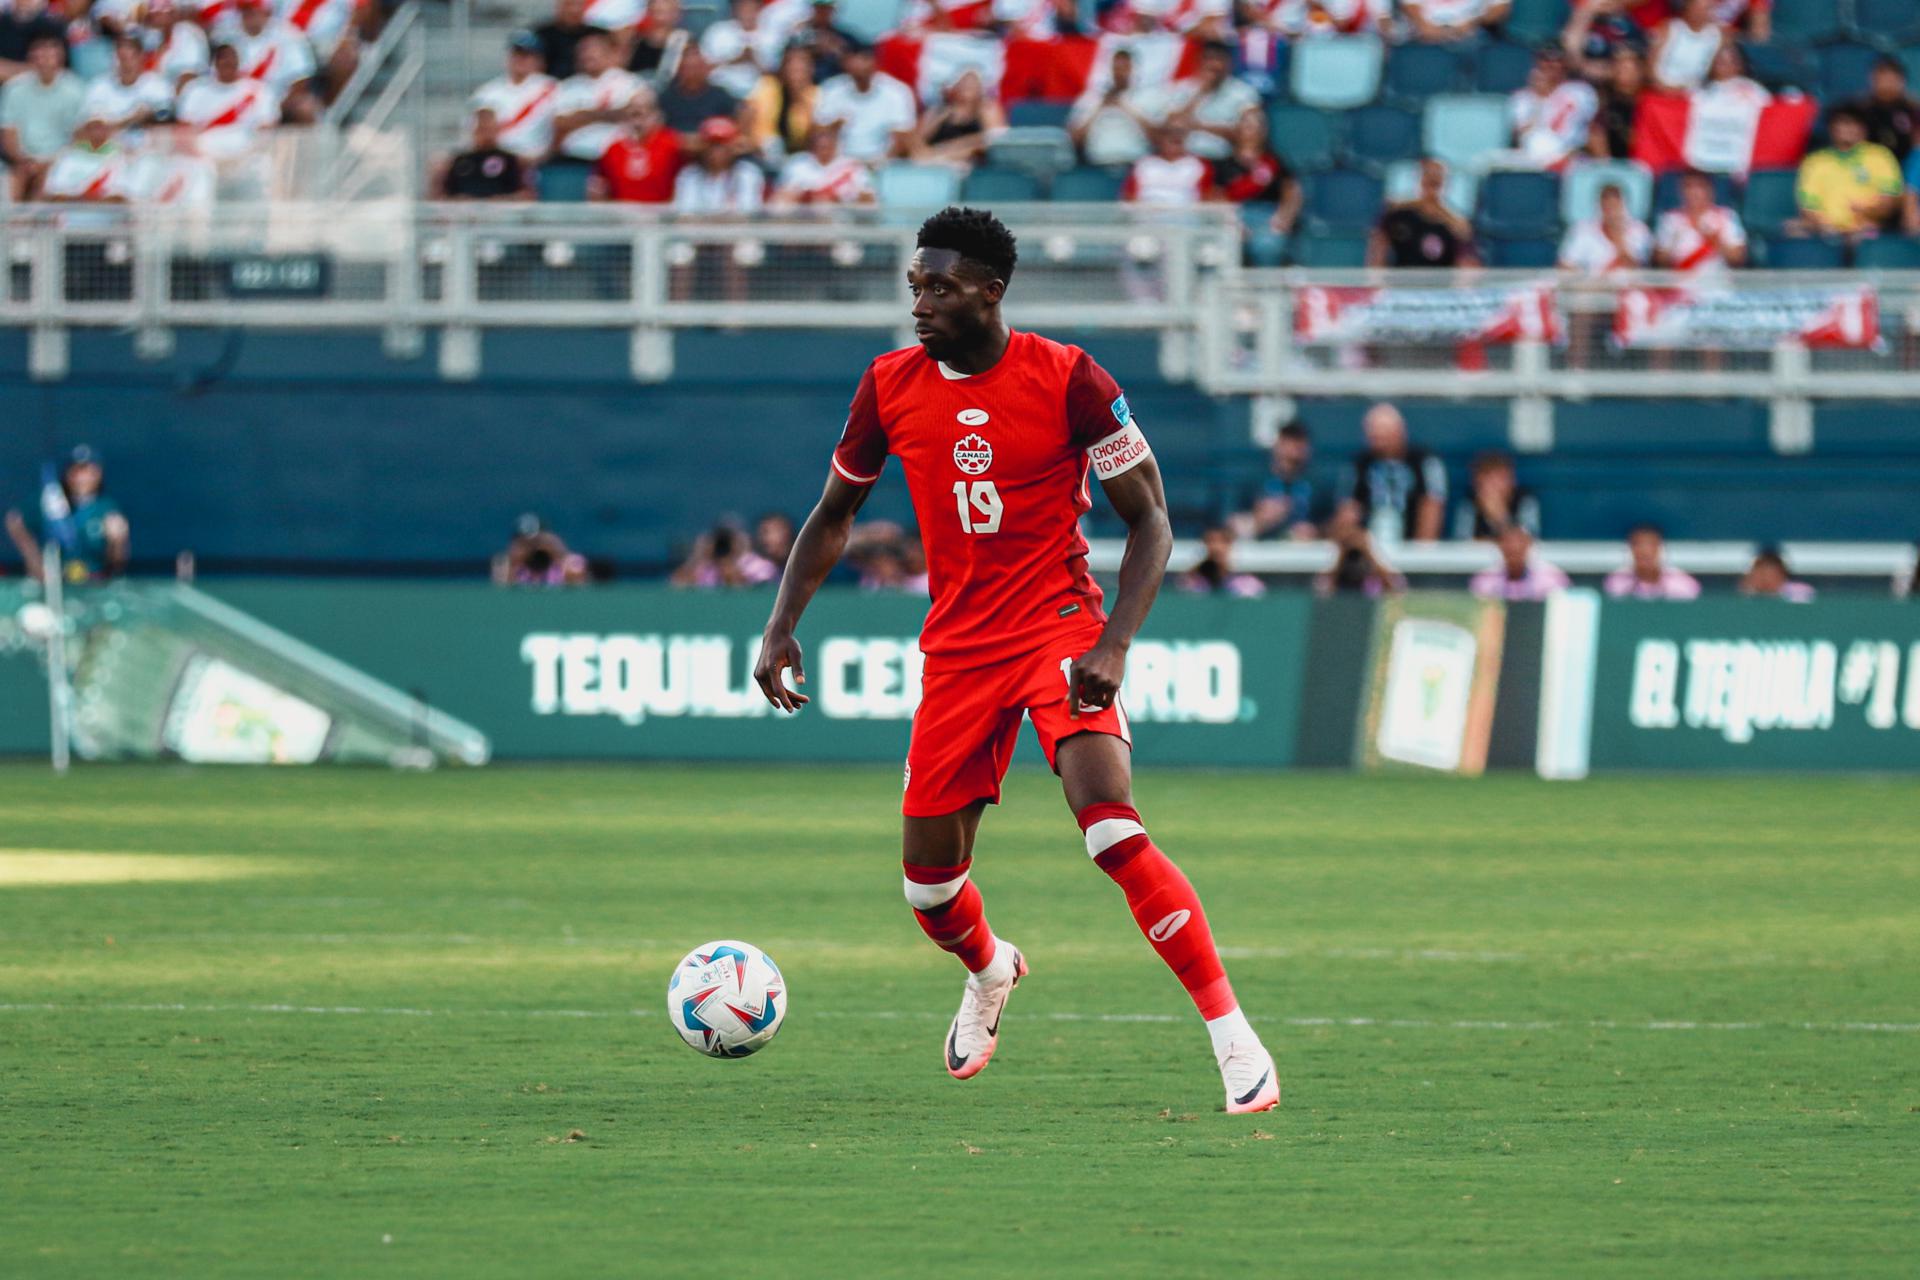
(1247, 1070)
(976, 1028)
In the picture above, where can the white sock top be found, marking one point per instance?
(1227, 1028)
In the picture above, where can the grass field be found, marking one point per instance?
(356, 1023)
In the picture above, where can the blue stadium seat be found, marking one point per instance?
(1378, 136)
(1666, 191)
(1302, 136)
(1343, 200)
(1416, 72)
(916, 186)
(563, 183)
(1844, 71)
(1088, 184)
(1801, 253)
(1782, 66)
(1264, 246)
(1330, 250)
(1910, 59)
(1888, 253)
(1526, 251)
(1336, 72)
(1537, 22)
(1043, 150)
(1461, 193)
(868, 19)
(994, 184)
(1037, 111)
(1884, 22)
(1580, 189)
(1805, 21)
(1500, 67)
(1770, 201)
(1462, 128)
(1516, 204)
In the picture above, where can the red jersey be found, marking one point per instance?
(642, 171)
(997, 467)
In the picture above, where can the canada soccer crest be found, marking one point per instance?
(972, 454)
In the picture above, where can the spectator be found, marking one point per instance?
(523, 101)
(1684, 48)
(1596, 33)
(1755, 17)
(1251, 174)
(1399, 490)
(1357, 565)
(21, 24)
(1498, 500)
(875, 112)
(1728, 77)
(618, 18)
(722, 558)
(1296, 18)
(176, 46)
(1521, 573)
(1610, 136)
(1214, 574)
(780, 110)
(691, 99)
(1109, 124)
(820, 175)
(722, 182)
(773, 537)
(1169, 178)
(76, 513)
(1612, 242)
(1423, 231)
(38, 114)
(228, 111)
(485, 170)
(128, 97)
(276, 55)
(1552, 115)
(1890, 113)
(1700, 236)
(1282, 505)
(590, 104)
(1768, 577)
(743, 48)
(1850, 187)
(1210, 103)
(1648, 576)
(329, 28)
(91, 168)
(1445, 21)
(828, 43)
(643, 161)
(560, 38)
(958, 130)
(537, 557)
(659, 40)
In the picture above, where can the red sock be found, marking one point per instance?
(950, 911)
(1163, 902)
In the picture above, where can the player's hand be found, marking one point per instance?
(778, 651)
(1094, 679)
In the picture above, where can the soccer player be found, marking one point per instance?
(997, 432)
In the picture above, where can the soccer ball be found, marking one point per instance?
(727, 999)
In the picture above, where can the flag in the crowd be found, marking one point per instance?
(1749, 319)
(1721, 130)
(1057, 70)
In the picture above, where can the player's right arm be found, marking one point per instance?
(822, 540)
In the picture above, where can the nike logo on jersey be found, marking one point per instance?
(1168, 925)
(971, 417)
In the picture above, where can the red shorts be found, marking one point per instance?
(968, 721)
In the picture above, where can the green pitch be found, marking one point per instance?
(365, 1024)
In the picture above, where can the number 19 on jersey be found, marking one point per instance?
(979, 504)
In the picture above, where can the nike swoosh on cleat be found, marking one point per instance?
(1254, 1092)
(954, 1060)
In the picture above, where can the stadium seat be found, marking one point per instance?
(1264, 246)
(1088, 185)
(564, 183)
(1524, 251)
(1378, 136)
(1042, 150)
(1805, 22)
(1462, 128)
(1336, 72)
(991, 184)
(1782, 66)
(1417, 72)
(1580, 188)
(1343, 200)
(868, 19)
(1302, 136)
(1803, 253)
(1884, 22)
(1666, 191)
(916, 186)
(1462, 189)
(1501, 67)
(1037, 111)
(1770, 201)
(1910, 59)
(1888, 253)
(1516, 204)
(1325, 250)
(1537, 22)
(1844, 71)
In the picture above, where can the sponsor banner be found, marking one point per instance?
(1750, 319)
(1757, 684)
(1528, 313)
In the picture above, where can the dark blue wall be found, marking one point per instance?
(319, 448)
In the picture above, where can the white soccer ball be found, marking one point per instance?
(727, 999)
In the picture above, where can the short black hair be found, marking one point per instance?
(976, 235)
(1845, 112)
(1646, 526)
(1296, 430)
(1887, 62)
(1770, 555)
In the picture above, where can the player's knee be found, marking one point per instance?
(931, 889)
(1113, 831)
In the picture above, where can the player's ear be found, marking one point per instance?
(994, 289)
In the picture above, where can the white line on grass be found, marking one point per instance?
(1409, 1024)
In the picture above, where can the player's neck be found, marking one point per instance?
(984, 356)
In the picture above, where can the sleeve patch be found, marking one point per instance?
(1121, 413)
(1122, 451)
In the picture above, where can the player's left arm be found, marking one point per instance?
(1140, 498)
